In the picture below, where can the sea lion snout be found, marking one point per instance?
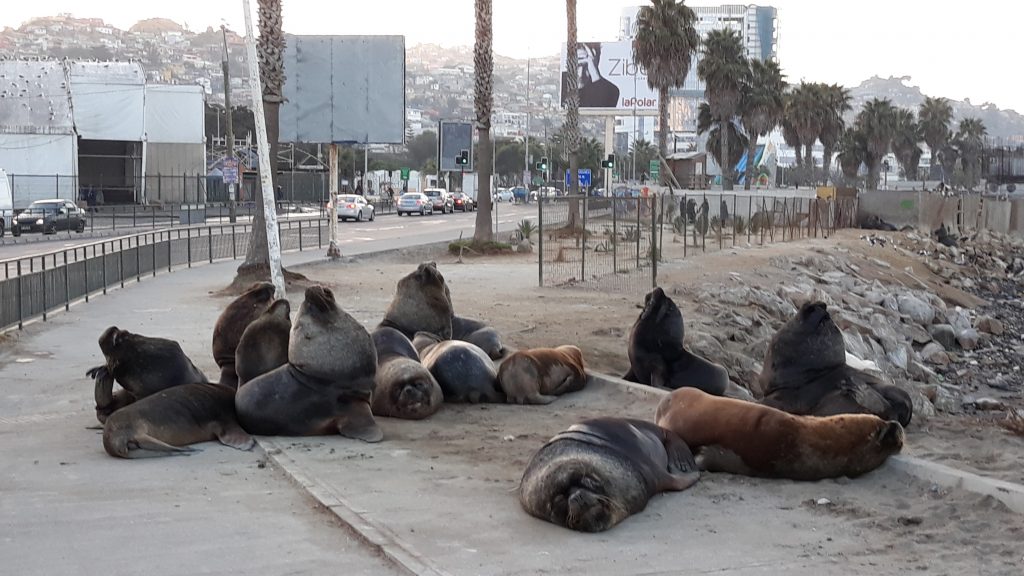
(891, 436)
(321, 298)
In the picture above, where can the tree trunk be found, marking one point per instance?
(663, 101)
(572, 113)
(826, 165)
(873, 168)
(751, 152)
(809, 162)
(484, 231)
(483, 63)
(726, 169)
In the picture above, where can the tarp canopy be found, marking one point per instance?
(175, 114)
(34, 98)
(109, 100)
(41, 166)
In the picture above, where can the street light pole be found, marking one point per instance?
(526, 140)
(232, 214)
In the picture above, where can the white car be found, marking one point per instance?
(503, 195)
(354, 207)
(415, 203)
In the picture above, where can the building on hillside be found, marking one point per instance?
(77, 130)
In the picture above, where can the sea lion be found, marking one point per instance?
(540, 375)
(422, 302)
(747, 438)
(165, 423)
(264, 344)
(598, 472)
(480, 334)
(657, 356)
(805, 373)
(142, 365)
(231, 324)
(404, 388)
(464, 371)
(326, 385)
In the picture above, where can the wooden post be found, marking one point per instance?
(333, 252)
(266, 167)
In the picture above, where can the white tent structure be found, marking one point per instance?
(175, 143)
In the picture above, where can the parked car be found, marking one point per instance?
(441, 199)
(415, 203)
(463, 202)
(49, 216)
(520, 194)
(354, 207)
(503, 195)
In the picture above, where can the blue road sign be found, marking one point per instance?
(584, 178)
(230, 171)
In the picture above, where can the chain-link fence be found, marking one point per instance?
(615, 244)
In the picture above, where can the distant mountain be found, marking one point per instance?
(156, 26)
(1000, 123)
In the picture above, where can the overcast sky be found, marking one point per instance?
(958, 50)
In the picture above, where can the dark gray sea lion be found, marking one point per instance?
(480, 334)
(167, 422)
(231, 324)
(264, 344)
(598, 472)
(464, 371)
(751, 439)
(421, 303)
(404, 388)
(325, 387)
(805, 373)
(141, 365)
(541, 375)
(657, 356)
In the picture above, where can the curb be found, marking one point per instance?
(1009, 493)
(373, 534)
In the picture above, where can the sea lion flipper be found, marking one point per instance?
(538, 398)
(629, 376)
(235, 437)
(680, 482)
(146, 446)
(356, 421)
(680, 457)
(97, 371)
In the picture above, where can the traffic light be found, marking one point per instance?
(609, 163)
(543, 164)
(462, 159)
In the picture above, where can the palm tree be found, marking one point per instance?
(853, 152)
(934, 118)
(270, 54)
(711, 125)
(641, 152)
(572, 112)
(724, 71)
(877, 121)
(904, 144)
(789, 133)
(806, 113)
(761, 106)
(483, 97)
(665, 44)
(837, 103)
(970, 142)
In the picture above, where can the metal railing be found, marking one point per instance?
(34, 286)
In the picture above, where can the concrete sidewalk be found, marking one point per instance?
(436, 497)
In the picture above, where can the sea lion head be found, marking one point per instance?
(328, 344)
(809, 342)
(873, 440)
(411, 391)
(422, 302)
(661, 320)
(112, 339)
(583, 504)
(259, 292)
(281, 308)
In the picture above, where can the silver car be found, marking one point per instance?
(354, 207)
(415, 203)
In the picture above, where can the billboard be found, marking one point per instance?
(452, 138)
(344, 89)
(609, 79)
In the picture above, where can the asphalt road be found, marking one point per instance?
(386, 231)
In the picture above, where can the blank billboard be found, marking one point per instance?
(609, 78)
(453, 138)
(344, 89)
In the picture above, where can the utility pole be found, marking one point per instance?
(232, 214)
(526, 140)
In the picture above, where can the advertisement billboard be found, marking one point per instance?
(609, 79)
(452, 138)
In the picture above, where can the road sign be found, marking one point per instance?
(655, 170)
(585, 177)
(405, 173)
(230, 171)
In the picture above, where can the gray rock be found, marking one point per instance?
(923, 407)
(934, 353)
(916, 334)
(968, 339)
(990, 325)
(919, 371)
(920, 311)
(944, 334)
(959, 319)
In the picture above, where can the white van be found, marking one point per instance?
(6, 203)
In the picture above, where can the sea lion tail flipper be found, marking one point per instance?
(629, 376)
(145, 446)
(356, 421)
(717, 459)
(233, 436)
(538, 398)
(680, 482)
(680, 457)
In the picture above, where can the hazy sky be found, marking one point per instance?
(959, 50)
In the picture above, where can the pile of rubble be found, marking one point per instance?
(948, 358)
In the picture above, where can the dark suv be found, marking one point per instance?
(49, 216)
(441, 200)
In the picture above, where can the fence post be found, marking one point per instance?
(685, 219)
(21, 307)
(103, 253)
(319, 232)
(639, 229)
(188, 235)
(67, 283)
(615, 239)
(764, 215)
(120, 261)
(209, 236)
(169, 260)
(707, 219)
(42, 274)
(85, 266)
(234, 244)
(734, 220)
(654, 241)
(300, 235)
(583, 244)
(152, 245)
(785, 218)
(540, 244)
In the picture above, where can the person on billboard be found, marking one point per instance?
(595, 90)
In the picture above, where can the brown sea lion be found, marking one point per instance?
(805, 373)
(598, 472)
(165, 423)
(325, 387)
(142, 365)
(657, 356)
(464, 371)
(264, 344)
(747, 438)
(480, 334)
(231, 324)
(404, 388)
(540, 375)
(421, 303)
